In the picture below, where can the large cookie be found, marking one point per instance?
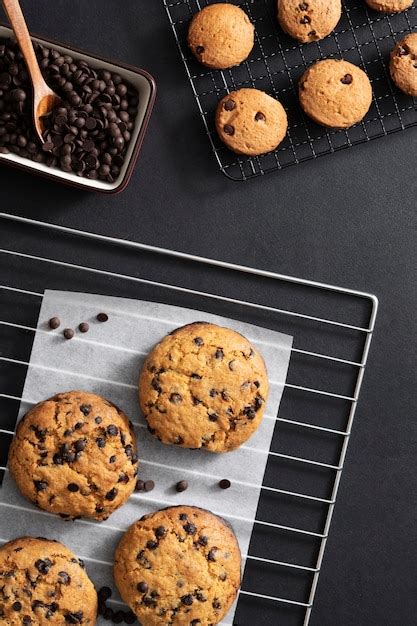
(179, 566)
(251, 122)
(389, 6)
(310, 20)
(335, 93)
(42, 582)
(221, 35)
(203, 386)
(403, 64)
(75, 455)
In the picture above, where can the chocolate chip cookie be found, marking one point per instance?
(389, 6)
(75, 455)
(310, 20)
(221, 36)
(403, 64)
(203, 386)
(335, 93)
(180, 565)
(250, 122)
(42, 582)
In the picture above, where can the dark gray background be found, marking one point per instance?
(347, 219)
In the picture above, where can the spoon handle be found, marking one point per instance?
(18, 23)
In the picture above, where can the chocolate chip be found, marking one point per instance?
(79, 425)
(190, 528)
(201, 597)
(73, 487)
(213, 417)
(54, 323)
(182, 485)
(187, 600)
(17, 606)
(219, 354)
(305, 20)
(110, 495)
(101, 442)
(225, 483)
(149, 485)
(98, 420)
(43, 566)
(303, 6)
(212, 555)
(74, 618)
(57, 459)
(200, 49)
(216, 604)
(151, 544)
(112, 430)
(183, 516)
(142, 587)
(83, 327)
(347, 79)
(229, 129)
(175, 398)
(64, 578)
(40, 485)
(140, 485)
(85, 409)
(68, 333)
(102, 317)
(203, 540)
(260, 117)
(196, 376)
(123, 478)
(160, 532)
(402, 51)
(80, 445)
(229, 105)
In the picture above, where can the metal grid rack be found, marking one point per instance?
(363, 37)
(332, 329)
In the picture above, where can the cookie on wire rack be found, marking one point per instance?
(389, 6)
(221, 36)
(311, 20)
(42, 582)
(403, 64)
(75, 455)
(203, 386)
(180, 565)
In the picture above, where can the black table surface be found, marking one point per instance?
(347, 219)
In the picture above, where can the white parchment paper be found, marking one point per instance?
(107, 361)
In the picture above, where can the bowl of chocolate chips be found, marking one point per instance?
(93, 138)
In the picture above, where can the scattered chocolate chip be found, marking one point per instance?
(149, 485)
(102, 317)
(79, 425)
(43, 566)
(306, 19)
(183, 516)
(151, 544)
(196, 376)
(260, 117)
(212, 555)
(80, 445)
(303, 6)
(112, 430)
(201, 597)
(85, 409)
(17, 606)
(229, 105)
(200, 49)
(142, 587)
(73, 487)
(84, 327)
(74, 618)
(98, 419)
(64, 578)
(213, 417)
(216, 604)
(140, 485)
(54, 323)
(225, 483)
(110, 495)
(182, 485)
(175, 398)
(190, 528)
(347, 79)
(229, 129)
(187, 600)
(160, 532)
(40, 485)
(101, 442)
(219, 354)
(68, 333)
(203, 540)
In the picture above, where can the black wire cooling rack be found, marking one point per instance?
(363, 37)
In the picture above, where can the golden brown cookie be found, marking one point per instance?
(310, 20)
(389, 6)
(250, 122)
(221, 35)
(75, 455)
(42, 582)
(335, 93)
(403, 64)
(203, 386)
(179, 566)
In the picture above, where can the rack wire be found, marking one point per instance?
(332, 329)
(363, 37)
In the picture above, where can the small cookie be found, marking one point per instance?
(403, 64)
(180, 565)
(311, 20)
(221, 36)
(203, 386)
(250, 122)
(42, 582)
(389, 6)
(75, 455)
(335, 93)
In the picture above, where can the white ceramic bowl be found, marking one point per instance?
(146, 88)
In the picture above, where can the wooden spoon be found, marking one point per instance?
(44, 99)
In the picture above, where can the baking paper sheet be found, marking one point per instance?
(107, 361)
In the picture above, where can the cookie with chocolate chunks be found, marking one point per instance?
(43, 582)
(389, 6)
(403, 64)
(204, 386)
(180, 565)
(310, 20)
(75, 455)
